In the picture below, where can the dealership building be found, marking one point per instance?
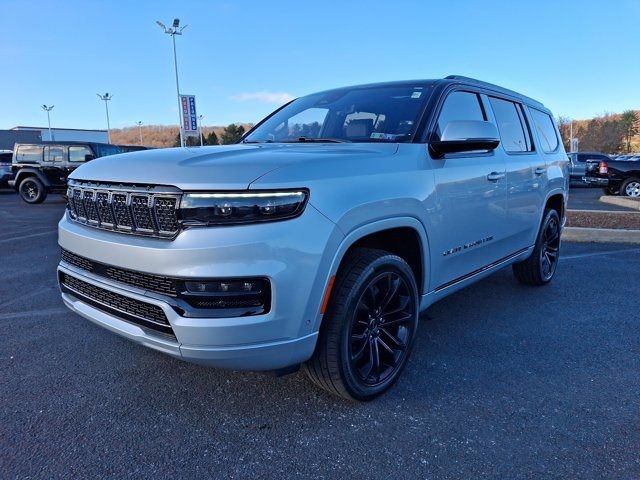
(23, 134)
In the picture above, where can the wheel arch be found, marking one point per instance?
(31, 172)
(412, 245)
(556, 199)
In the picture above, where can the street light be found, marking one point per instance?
(139, 123)
(200, 117)
(48, 109)
(106, 97)
(174, 30)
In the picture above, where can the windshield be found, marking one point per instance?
(364, 114)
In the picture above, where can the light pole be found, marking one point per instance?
(200, 117)
(48, 109)
(139, 123)
(106, 97)
(174, 30)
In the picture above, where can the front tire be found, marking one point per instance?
(369, 328)
(630, 188)
(540, 267)
(32, 190)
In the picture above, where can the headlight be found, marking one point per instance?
(198, 209)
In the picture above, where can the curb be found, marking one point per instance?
(621, 202)
(600, 235)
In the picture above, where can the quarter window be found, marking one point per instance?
(459, 106)
(78, 154)
(29, 153)
(546, 130)
(513, 133)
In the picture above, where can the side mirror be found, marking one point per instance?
(465, 136)
(88, 157)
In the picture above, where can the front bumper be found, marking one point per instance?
(295, 255)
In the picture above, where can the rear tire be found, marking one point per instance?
(369, 327)
(540, 267)
(32, 190)
(630, 188)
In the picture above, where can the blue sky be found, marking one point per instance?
(243, 59)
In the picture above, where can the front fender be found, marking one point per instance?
(373, 227)
(31, 172)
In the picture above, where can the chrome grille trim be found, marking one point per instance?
(147, 210)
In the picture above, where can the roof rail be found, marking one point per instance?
(491, 86)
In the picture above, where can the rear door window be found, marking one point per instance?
(29, 153)
(54, 154)
(459, 106)
(514, 134)
(546, 131)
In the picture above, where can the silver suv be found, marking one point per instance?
(321, 236)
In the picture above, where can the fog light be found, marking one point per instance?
(229, 287)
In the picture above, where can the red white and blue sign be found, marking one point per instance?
(189, 116)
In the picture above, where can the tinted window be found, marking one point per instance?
(5, 157)
(359, 114)
(29, 153)
(54, 154)
(77, 154)
(513, 134)
(106, 150)
(546, 130)
(460, 106)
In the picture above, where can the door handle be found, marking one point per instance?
(540, 170)
(495, 176)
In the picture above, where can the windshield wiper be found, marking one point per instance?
(257, 141)
(317, 140)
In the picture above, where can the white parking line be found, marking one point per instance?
(33, 313)
(597, 254)
(23, 237)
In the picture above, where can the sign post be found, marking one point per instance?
(189, 116)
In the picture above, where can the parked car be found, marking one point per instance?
(43, 168)
(5, 167)
(577, 162)
(615, 177)
(319, 238)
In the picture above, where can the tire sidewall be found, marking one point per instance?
(353, 384)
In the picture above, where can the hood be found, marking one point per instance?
(230, 167)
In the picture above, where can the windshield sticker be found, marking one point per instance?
(416, 94)
(384, 136)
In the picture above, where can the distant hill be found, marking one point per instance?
(158, 135)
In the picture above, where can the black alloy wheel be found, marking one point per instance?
(550, 248)
(381, 328)
(32, 190)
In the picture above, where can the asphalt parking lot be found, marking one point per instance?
(587, 198)
(505, 381)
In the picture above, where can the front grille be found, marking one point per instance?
(145, 281)
(136, 311)
(151, 211)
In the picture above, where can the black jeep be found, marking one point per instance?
(42, 168)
